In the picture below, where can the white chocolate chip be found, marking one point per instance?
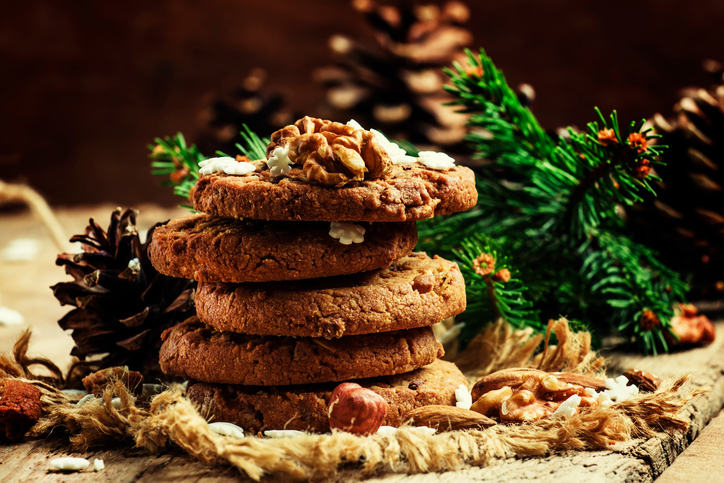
(69, 464)
(346, 233)
(98, 464)
(227, 429)
(463, 397)
(434, 160)
(226, 165)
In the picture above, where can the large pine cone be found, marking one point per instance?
(122, 303)
(686, 221)
(397, 84)
(262, 109)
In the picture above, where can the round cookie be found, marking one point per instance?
(194, 351)
(212, 249)
(415, 291)
(304, 408)
(409, 193)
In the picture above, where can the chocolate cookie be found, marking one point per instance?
(194, 351)
(415, 291)
(213, 249)
(304, 408)
(408, 193)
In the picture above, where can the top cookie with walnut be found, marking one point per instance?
(320, 170)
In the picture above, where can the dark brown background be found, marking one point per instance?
(87, 84)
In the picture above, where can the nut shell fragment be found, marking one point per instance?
(448, 418)
(645, 381)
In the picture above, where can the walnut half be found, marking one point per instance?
(332, 153)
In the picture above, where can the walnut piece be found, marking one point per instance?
(331, 153)
(524, 395)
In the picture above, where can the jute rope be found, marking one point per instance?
(13, 193)
(171, 418)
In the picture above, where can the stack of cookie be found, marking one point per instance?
(307, 279)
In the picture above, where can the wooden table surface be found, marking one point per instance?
(24, 287)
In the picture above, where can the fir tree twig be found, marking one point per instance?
(555, 203)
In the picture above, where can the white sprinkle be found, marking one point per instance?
(227, 429)
(356, 125)
(98, 464)
(227, 165)
(134, 264)
(346, 233)
(602, 398)
(117, 403)
(69, 464)
(397, 154)
(73, 392)
(388, 430)
(279, 162)
(10, 317)
(21, 250)
(283, 433)
(463, 397)
(85, 399)
(434, 160)
(567, 407)
(618, 390)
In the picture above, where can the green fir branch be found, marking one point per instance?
(493, 288)
(171, 157)
(555, 205)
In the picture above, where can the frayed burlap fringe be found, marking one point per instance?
(171, 418)
(499, 346)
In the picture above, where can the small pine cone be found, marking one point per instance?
(649, 320)
(607, 137)
(484, 264)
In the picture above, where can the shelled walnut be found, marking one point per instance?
(330, 153)
(525, 395)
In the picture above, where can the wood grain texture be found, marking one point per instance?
(24, 287)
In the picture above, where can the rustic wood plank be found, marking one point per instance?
(703, 460)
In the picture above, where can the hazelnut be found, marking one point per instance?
(355, 409)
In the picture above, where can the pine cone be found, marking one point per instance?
(685, 222)
(262, 110)
(397, 86)
(122, 303)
